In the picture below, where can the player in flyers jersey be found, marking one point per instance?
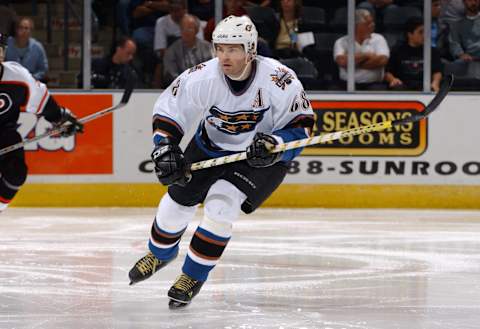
(20, 91)
(245, 102)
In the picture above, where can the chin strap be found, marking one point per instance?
(245, 73)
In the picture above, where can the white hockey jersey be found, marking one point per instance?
(19, 91)
(273, 102)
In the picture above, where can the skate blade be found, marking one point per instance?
(175, 304)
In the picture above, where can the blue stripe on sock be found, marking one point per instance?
(195, 270)
(163, 254)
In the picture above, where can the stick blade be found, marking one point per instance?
(445, 87)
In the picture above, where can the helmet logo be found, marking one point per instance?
(248, 27)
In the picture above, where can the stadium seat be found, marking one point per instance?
(313, 19)
(393, 38)
(264, 19)
(467, 75)
(339, 21)
(395, 17)
(305, 70)
(321, 54)
(326, 41)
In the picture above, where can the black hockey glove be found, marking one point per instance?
(258, 153)
(71, 122)
(170, 164)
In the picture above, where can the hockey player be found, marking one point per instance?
(18, 91)
(246, 102)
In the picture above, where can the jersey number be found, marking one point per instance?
(303, 103)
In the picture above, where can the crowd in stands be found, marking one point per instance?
(159, 39)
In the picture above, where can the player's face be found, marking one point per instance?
(232, 58)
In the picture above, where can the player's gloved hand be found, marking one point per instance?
(71, 122)
(170, 164)
(258, 153)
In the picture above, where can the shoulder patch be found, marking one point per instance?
(197, 67)
(281, 78)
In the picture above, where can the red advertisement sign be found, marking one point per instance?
(87, 153)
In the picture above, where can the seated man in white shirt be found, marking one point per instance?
(167, 30)
(371, 54)
(187, 51)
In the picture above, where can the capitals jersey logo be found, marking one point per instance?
(282, 78)
(234, 123)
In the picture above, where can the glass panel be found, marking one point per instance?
(306, 43)
(326, 32)
(461, 20)
(52, 52)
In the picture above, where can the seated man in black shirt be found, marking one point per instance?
(111, 72)
(405, 67)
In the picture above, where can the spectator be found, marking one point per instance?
(371, 54)
(203, 9)
(463, 39)
(436, 30)
(144, 16)
(230, 7)
(113, 71)
(377, 9)
(187, 51)
(167, 30)
(452, 11)
(9, 19)
(286, 40)
(27, 51)
(405, 66)
(439, 32)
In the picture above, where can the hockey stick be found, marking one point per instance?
(57, 130)
(444, 89)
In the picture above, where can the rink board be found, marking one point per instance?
(287, 195)
(431, 164)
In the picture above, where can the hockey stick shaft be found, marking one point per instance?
(125, 98)
(321, 139)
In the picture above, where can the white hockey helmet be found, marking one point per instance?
(237, 30)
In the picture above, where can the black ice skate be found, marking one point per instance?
(145, 267)
(183, 291)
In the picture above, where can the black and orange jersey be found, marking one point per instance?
(19, 91)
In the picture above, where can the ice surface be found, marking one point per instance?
(283, 268)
